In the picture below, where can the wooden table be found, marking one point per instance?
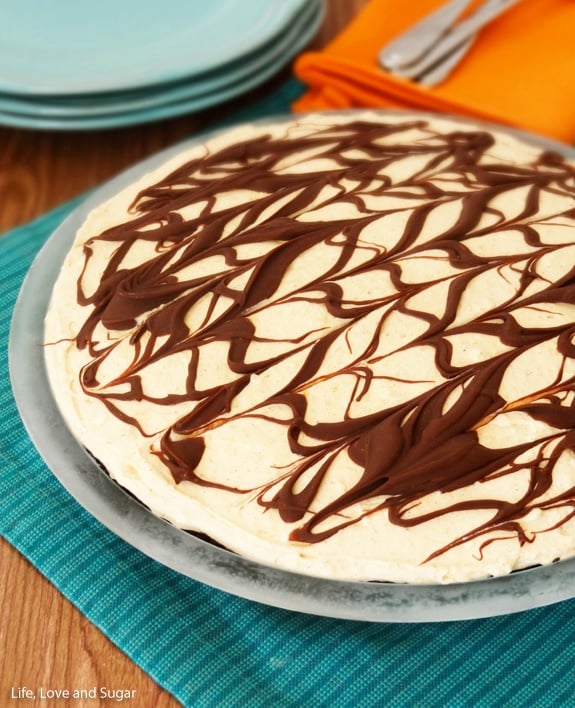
(44, 640)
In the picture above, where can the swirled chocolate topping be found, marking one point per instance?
(340, 344)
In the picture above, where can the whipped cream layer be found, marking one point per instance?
(341, 344)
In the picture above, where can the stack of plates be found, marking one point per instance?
(74, 65)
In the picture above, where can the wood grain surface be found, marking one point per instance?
(44, 640)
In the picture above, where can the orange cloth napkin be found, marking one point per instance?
(520, 71)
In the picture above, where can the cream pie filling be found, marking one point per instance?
(340, 344)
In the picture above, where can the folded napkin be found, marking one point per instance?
(211, 649)
(519, 72)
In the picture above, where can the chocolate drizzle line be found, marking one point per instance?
(405, 451)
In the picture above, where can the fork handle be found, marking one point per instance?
(411, 45)
(443, 69)
(454, 38)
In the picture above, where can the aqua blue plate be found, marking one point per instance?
(78, 47)
(276, 51)
(161, 105)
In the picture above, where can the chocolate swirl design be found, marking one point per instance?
(385, 299)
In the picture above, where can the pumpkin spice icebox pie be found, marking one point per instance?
(340, 344)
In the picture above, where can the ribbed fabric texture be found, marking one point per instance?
(212, 649)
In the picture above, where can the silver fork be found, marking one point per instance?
(442, 50)
(421, 37)
(443, 68)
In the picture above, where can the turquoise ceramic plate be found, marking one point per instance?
(293, 42)
(77, 47)
(274, 52)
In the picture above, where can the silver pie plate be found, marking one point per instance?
(199, 559)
